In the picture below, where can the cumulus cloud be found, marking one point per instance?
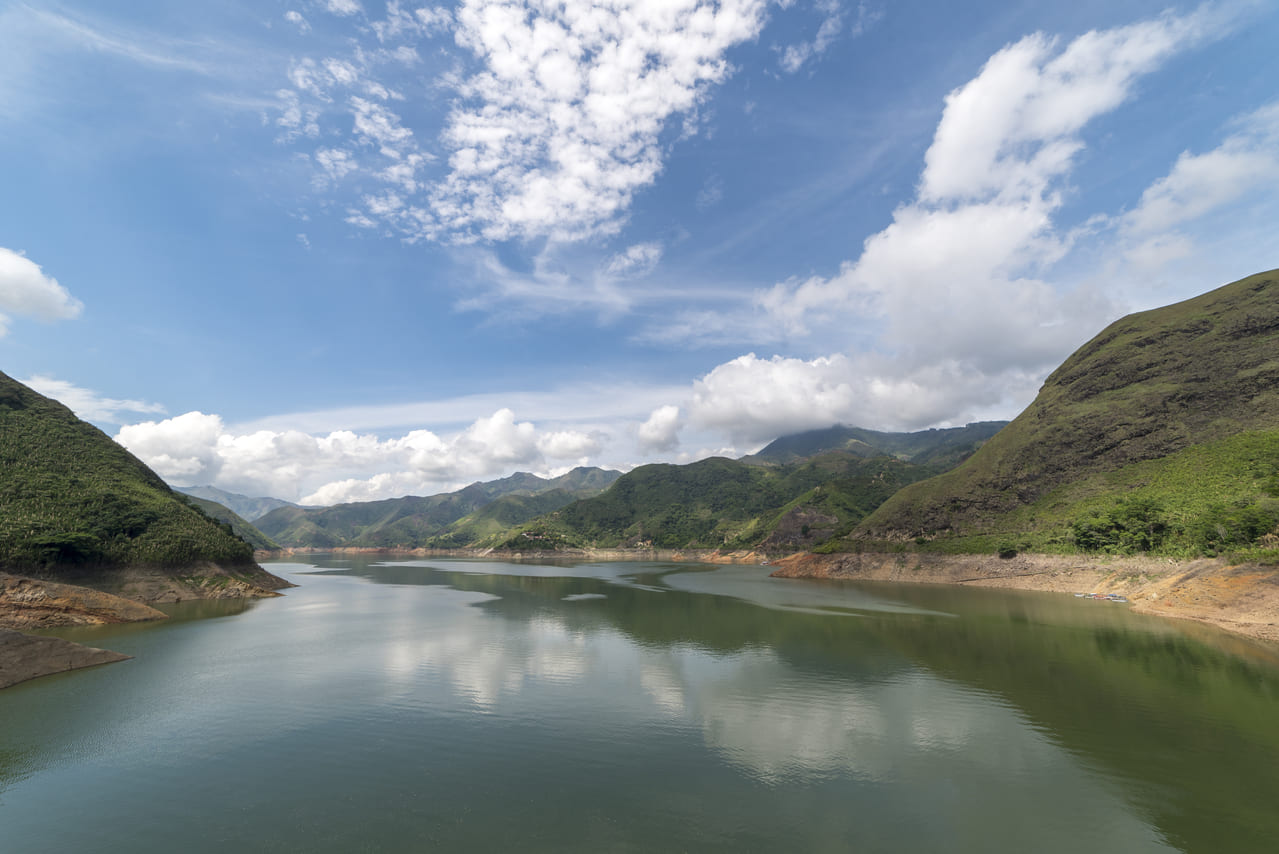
(661, 431)
(25, 289)
(345, 466)
(954, 294)
(88, 404)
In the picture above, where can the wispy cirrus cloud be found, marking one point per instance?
(89, 404)
(833, 13)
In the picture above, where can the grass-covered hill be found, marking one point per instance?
(73, 499)
(413, 521)
(249, 509)
(1159, 435)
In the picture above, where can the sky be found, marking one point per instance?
(342, 250)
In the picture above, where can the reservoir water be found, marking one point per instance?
(450, 705)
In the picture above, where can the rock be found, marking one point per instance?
(24, 657)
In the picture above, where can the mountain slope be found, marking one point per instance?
(73, 502)
(719, 502)
(242, 528)
(250, 509)
(944, 447)
(413, 521)
(1151, 436)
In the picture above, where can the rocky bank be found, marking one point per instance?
(118, 597)
(1242, 598)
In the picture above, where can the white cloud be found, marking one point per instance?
(562, 125)
(347, 466)
(344, 7)
(753, 399)
(661, 431)
(554, 130)
(88, 404)
(637, 260)
(184, 448)
(1246, 162)
(952, 299)
(794, 56)
(26, 290)
(297, 20)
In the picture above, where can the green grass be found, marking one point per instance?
(1175, 407)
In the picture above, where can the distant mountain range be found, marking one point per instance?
(1160, 435)
(798, 491)
(412, 522)
(251, 509)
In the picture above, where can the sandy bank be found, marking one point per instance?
(1238, 598)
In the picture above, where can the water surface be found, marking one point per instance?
(469, 705)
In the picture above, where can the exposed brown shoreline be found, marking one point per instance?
(28, 603)
(1240, 598)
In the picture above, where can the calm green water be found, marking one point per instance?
(461, 705)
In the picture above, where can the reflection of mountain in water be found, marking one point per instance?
(904, 692)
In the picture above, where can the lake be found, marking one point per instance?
(454, 705)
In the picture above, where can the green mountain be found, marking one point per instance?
(72, 501)
(242, 528)
(413, 522)
(250, 509)
(1159, 435)
(717, 503)
(946, 447)
(497, 517)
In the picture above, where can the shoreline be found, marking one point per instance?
(1239, 598)
(30, 603)
(1242, 599)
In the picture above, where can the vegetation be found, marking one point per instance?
(796, 493)
(412, 522)
(72, 497)
(1161, 435)
(242, 528)
(726, 504)
(249, 509)
(943, 449)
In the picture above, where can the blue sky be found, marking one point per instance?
(338, 250)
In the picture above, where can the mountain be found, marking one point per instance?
(250, 509)
(413, 521)
(1161, 434)
(242, 528)
(74, 502)
(945, 447)
(718, 502)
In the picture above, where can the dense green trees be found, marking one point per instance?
(70, 496)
